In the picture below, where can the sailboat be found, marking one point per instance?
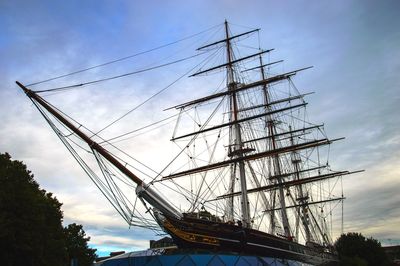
(257, 185)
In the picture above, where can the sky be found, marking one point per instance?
(353, 46)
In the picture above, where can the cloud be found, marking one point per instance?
(372, 205)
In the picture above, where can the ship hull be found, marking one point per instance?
(217, 236)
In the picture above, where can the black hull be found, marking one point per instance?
(216, 236)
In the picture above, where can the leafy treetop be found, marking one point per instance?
(355, 249)
(31, 231)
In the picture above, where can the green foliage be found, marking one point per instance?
(31, 231)
(355, 249)
(30, 219)
(76, 242)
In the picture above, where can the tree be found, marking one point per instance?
(77, 245)
(355, 249)
(31, 231)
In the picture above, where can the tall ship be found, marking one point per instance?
(249, 175)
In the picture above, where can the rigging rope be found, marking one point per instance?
(120, 202)
(69, 117)
(189, 143)
(106, 141)
(124, 58)
(138, 129)
(154, 95)
(118, 76)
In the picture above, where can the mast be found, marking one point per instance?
(143, 190)
(237, 141)
(277, 167)
(296, 160)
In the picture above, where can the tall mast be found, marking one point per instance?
(237, 144)
(277, 167)
(143, 190)
(296, 160)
